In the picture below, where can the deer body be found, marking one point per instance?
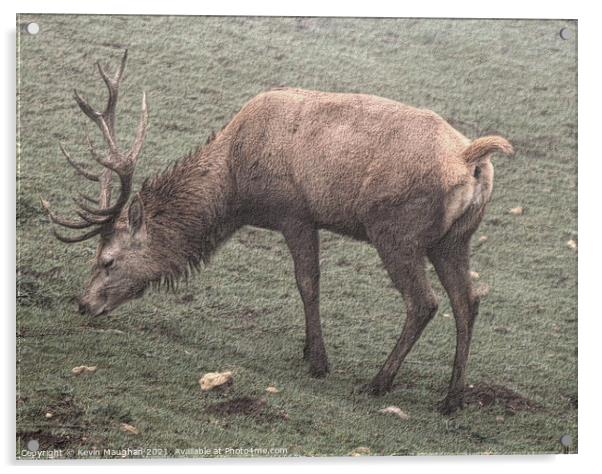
(297, 161)
(337, 159)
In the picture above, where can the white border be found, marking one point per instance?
(424, 8)
(590, 329)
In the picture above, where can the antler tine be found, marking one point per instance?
(126, 187)
(80, 238)
(140, 134)
(93, 219)
(63, 221)
(113, 88)
(77, 166)
(99, 119)
(86, 108)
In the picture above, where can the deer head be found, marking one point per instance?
(119, 273)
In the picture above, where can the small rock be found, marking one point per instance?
(571, 244)
(483, 238)
(517, 211)
(83, 369)
(129, 429)
(212, 380)
(446, 315)
(393, 410)
(272, 389)
(361, 451)
(499, 419)
(49, 415)
(474, 275)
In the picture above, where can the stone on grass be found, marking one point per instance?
(213, 380)
(517, 211)
(393, 410)
(129, 429)
(83, 369)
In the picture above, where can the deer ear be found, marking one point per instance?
(136, 215)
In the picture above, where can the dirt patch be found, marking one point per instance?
(66, 409)
(256, 408)
(485, 395)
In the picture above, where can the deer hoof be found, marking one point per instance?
(376, 389)
(306, 352)
(319, 369)
(451, 404)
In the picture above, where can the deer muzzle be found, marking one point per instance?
(91, 309)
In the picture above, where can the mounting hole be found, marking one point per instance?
(566, 33)
(33, 445)
(566, 440)
(32, 28)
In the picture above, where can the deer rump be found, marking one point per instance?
(343, 160)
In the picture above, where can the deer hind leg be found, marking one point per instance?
(303, 242)
(451, 261)
(407, 271)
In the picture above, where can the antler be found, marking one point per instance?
(123, 164)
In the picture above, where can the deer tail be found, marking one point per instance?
(481, 147)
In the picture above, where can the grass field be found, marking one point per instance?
(243, 313)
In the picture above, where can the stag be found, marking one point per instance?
(296, 161)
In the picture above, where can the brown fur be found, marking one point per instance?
(481, 147)
(296, 161)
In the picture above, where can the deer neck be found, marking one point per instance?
(188, 212)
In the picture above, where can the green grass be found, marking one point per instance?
(243, 313)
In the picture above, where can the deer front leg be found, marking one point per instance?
(451, 262)
(303, 242)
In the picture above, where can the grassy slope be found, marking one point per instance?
(517, 78)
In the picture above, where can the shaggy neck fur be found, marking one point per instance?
(187, 214)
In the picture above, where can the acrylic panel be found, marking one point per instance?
(292, 224)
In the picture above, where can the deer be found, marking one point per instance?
(297, 161)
